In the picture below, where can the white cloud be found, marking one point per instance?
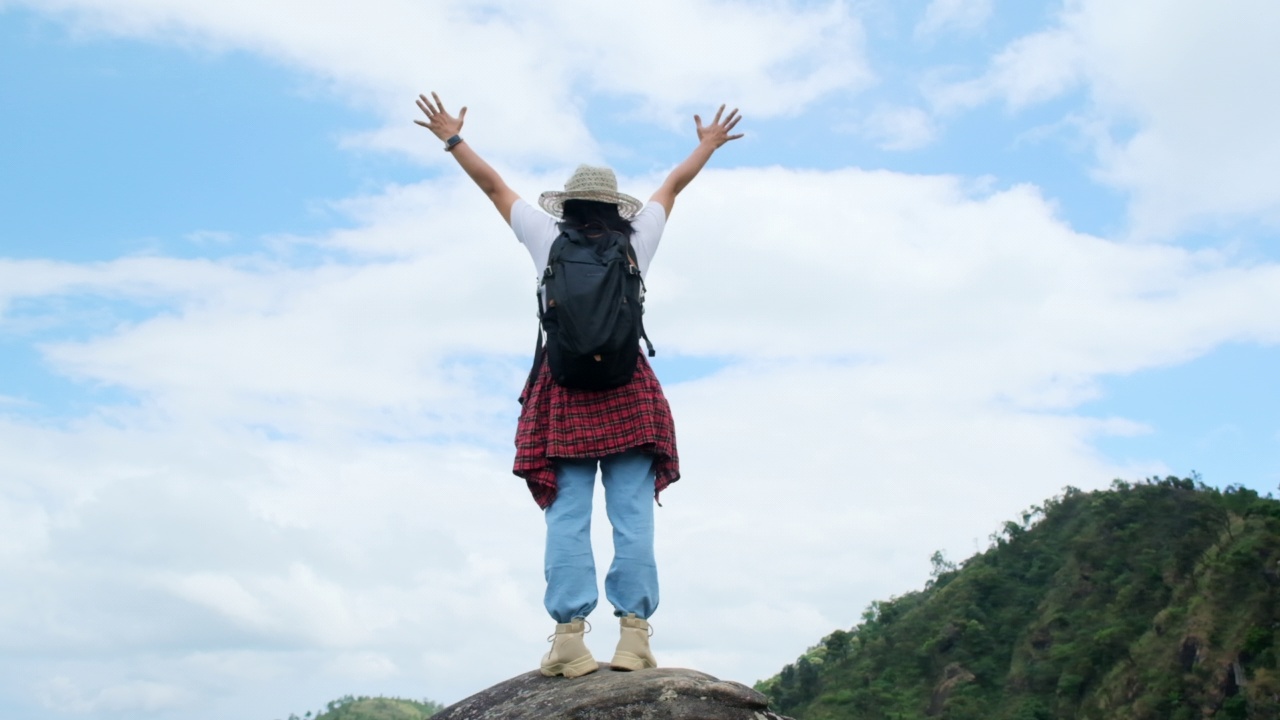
(1179, 116)
(308, 467)
(1193, 85)
(898, 128)
(363, 665)
(962, 16)
(524, 70)
(1032, 69)
(771, 58)
(974, 277)
(222, 594)
(62, 695)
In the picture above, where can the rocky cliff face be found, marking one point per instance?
(657, 694)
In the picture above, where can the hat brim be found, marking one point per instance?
(553, 201)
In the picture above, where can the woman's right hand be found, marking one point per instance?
(717, 133)
(439, 121)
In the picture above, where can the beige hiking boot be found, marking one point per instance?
(633, 647)
(569, 655)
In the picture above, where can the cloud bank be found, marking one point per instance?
(301, 485)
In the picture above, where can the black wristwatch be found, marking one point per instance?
(452, 142)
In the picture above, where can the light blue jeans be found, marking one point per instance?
(632, 583)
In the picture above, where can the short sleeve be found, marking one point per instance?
(648, 225)
(535, 230)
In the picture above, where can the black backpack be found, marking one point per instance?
(594, 311)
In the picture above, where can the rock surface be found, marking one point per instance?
(656, 694)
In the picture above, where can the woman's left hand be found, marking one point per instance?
(439, 121)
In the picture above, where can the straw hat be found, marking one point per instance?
(590, 183)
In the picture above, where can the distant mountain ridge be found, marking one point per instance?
(1159, 599)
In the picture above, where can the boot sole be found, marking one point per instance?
(582, 666)
(627, 662)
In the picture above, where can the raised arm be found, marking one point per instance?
(710, 138)
(446, 126)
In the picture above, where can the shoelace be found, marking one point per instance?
(552, 636)
(648, 624)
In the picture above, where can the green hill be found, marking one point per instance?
(374, 708)
(1154, 600)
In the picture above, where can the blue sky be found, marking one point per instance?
(130, 148)
(153, 144)
(969, 252)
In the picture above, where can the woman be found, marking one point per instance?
(565, 434)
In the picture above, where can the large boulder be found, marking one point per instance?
(655, 694)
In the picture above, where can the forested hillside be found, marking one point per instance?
(1154, 600)
(373, 708)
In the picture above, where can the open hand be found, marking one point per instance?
(717, 133)
(439, 121)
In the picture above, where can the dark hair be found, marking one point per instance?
(595, 217)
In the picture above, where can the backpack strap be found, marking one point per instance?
(539, 350)
(645, 336)
(635, 270)
(539, 354)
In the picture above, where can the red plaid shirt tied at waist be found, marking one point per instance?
(558, 422)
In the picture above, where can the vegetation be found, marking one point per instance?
(374, 708)
(1152, 600)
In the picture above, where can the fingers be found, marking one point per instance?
(728, 121)
(425, 106)
(431, 109)
(437, 116)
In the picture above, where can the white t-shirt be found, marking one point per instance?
(536, 230)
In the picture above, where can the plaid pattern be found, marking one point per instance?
(558, 422)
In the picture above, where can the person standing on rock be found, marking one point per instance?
(564, 433)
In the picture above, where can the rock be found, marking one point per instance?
(953, 676)
(655, 694)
